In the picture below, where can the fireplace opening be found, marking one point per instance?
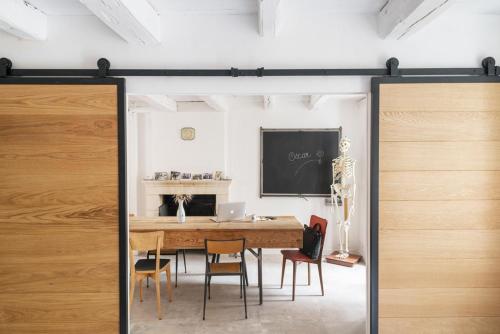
(199, 205)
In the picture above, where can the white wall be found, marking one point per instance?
(161, 149)
(317, 40)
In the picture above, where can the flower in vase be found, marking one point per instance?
(182, 198)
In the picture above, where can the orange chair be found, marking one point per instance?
(296, 256)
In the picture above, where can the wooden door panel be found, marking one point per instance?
(415, 97)
(431, 325)
(439, 208)
(439, 126)
(440, 302)
(439, 273)
(440, 215)
(443, 156)
(60, 208)
(440, 185)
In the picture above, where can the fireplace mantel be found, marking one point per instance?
(154, 190)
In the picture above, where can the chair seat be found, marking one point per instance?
(162, 252)
(227, 267)
(150, 265)
(296, 255)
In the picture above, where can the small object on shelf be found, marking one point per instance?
(219, 175)
(161, 176)
(175, 175)
(186, 176)
(207, 176)
(346, 262)
(197, 177)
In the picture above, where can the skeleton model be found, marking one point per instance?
(343, 189)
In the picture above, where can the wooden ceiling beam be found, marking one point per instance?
(136, 21)
(400, 18)
(19, 18)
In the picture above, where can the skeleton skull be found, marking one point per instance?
(345, 144)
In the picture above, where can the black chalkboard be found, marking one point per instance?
(297, 162)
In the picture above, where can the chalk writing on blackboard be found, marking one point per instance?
(318, 158)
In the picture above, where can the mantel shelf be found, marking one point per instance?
(186, 182)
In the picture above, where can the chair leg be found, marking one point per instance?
(176, 265)
(294, 274)
(158, 305)
(205, 296)
(184, 256)
(321, 278)
(308, 273)
(147, 278)
(132, 288)
(169, 284)
(283, 271)
(209, 281)
(140, 290)
(241, 286)
(245, 299)
(246, 275)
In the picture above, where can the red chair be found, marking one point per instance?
(297, 256)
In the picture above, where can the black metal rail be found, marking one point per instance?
(392, 69)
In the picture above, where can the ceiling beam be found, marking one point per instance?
(400, 18)
(316, 101)
(159, 102)
(21, 19)
(269, 17)
(136, 21)
(215, 102)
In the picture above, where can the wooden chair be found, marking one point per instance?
(145, 268)
(170, 252)
(235, 268)
(296, 256)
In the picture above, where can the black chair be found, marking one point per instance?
(170, 252)
(235, 268)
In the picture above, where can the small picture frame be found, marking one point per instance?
(208, 176)
(175, 175)
(186, 176)
(197, 176)
(219, 175)
(162, 176)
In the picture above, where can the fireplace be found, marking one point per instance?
(199, 205)
(207, 195)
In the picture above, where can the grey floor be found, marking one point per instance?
(341, 310)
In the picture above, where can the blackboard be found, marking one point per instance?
(297, 162)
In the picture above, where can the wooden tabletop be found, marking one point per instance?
(280, 232)
(205, 223)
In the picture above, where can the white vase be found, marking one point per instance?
(181, 214)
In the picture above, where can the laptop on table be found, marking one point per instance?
(230, 211)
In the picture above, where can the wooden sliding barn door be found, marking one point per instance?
(62, 206)
(436, 212)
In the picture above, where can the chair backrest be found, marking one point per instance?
(224, 246)
(144, 241)
(323, 224)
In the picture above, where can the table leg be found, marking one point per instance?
(259, 258)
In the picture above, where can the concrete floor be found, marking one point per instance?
(341, 310)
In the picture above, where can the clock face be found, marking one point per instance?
(187, 133)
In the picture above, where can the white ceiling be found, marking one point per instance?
(235, 7)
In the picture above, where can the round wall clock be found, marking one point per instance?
(187, 133)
